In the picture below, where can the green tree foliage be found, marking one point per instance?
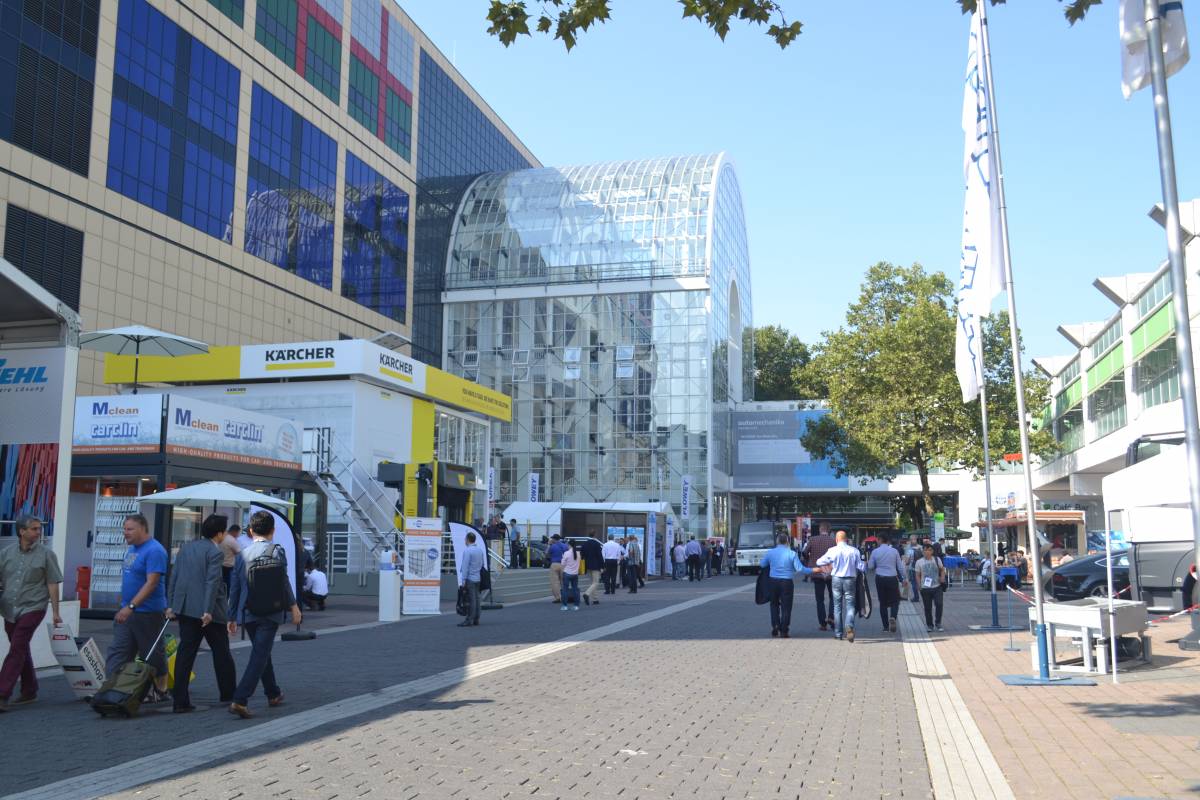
(567, 19)
(894, 398)
(779, 359)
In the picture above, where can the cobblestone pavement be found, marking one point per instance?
(1137, 739)
(683, 694)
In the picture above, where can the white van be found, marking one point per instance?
(754, 539)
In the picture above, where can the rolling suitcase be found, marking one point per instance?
(124, 692)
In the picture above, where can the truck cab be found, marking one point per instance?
(754, 539)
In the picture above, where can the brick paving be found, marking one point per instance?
(1138, 738)
(697, 702)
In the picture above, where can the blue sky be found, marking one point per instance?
(848, 144)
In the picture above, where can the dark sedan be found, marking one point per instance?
(1087, 576)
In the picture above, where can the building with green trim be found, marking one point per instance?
(1120, 383)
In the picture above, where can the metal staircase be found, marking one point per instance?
(367, 505)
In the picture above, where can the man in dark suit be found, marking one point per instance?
(197, 599)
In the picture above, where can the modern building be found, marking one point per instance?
(612, 303)
(1120, 382)
(237, 171)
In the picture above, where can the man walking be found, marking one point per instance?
(472, 573)
(29, 581)
(783, 564)
(143, 603)
(262, 595)
(514, 545)
(198, 601)
(633, 564)
(555, 554)
(612, 553)
(692, 551)
(817, 547)
(679, 559)
(593, 562)
(845, 562)
(889, 572)
(912, 554)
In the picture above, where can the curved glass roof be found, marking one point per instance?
(615, 221)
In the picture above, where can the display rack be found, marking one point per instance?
(109, 548)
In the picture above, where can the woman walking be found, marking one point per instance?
(930, 575)
(570, 587)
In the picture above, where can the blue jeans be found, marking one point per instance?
(262, 638)
(570, 590)
(843, 605)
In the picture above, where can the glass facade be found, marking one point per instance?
(458, 142)
(374, 241)
(234, 9)
(47, 78)
(290, 190)
(307, 36)
(382, 52)
(45, 250)
(1157, 374)
(621, 385)
(173, 142)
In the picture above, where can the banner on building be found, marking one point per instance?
(491, 490)
(535, 486)
(31, 396)
(685, 498)
(209, 430)
(652, 544)
(130, 423)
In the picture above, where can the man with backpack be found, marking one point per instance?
(260, 599)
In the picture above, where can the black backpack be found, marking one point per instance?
(267, 583)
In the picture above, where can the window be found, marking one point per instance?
(47, 69)
(307, 36)
(1106, 407)
(173, 142)
(1111, 335)
(381, 75)
(1069, 373)
(47, 251)
(374, 241)
(1158, 291)
(234, 9)
(1157, 374)
(290, 190)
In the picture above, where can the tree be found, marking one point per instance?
(778, 358)
(894, 397)
(567, 19)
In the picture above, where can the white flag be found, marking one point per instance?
(981, 261)
(1135, 48)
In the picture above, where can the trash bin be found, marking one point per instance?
(83, 585)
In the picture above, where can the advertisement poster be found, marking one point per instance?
(31, 388)
(617, 532)
(126, 423)
(491, 490)
(208, 430)
(652, 560)
(422, 566)
(769, 455)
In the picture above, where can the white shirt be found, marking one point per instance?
(612, 551)
(679, 555)
(846, 560)
(316, 582)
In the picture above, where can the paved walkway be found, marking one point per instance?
(674, 692)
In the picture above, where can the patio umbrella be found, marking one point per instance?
(138, 340)
(215, 492)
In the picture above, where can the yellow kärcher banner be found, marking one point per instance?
(345, 358)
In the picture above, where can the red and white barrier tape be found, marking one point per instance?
(1188, 610)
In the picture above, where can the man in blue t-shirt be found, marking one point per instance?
(143, 601)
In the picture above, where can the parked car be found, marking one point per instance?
(537, 553)
(1087, 576)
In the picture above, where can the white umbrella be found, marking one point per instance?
(138, 340)
(215, 492)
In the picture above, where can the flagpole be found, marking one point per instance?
(987, 476)
(1018, 374)
(1175, 257)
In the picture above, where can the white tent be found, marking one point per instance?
(545, 519)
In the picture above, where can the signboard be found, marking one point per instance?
(535, 485)
(315, 360)
(769, 456)
(422, 565)
(670, 532)
(130, 423)
(31, 413)
(208, 430)
(937, 526)
(652, 543)
(685, 498)
(491, 489)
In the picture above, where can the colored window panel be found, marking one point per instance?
(275, 27)
(397, 132)
(47, 68)
(400, 52)
(374, 241)
(173, 140)
(234, 9)
(333, 8)
(366, 25)
(364, 95)
(323, 60)
(290, 191)
(47, 251)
